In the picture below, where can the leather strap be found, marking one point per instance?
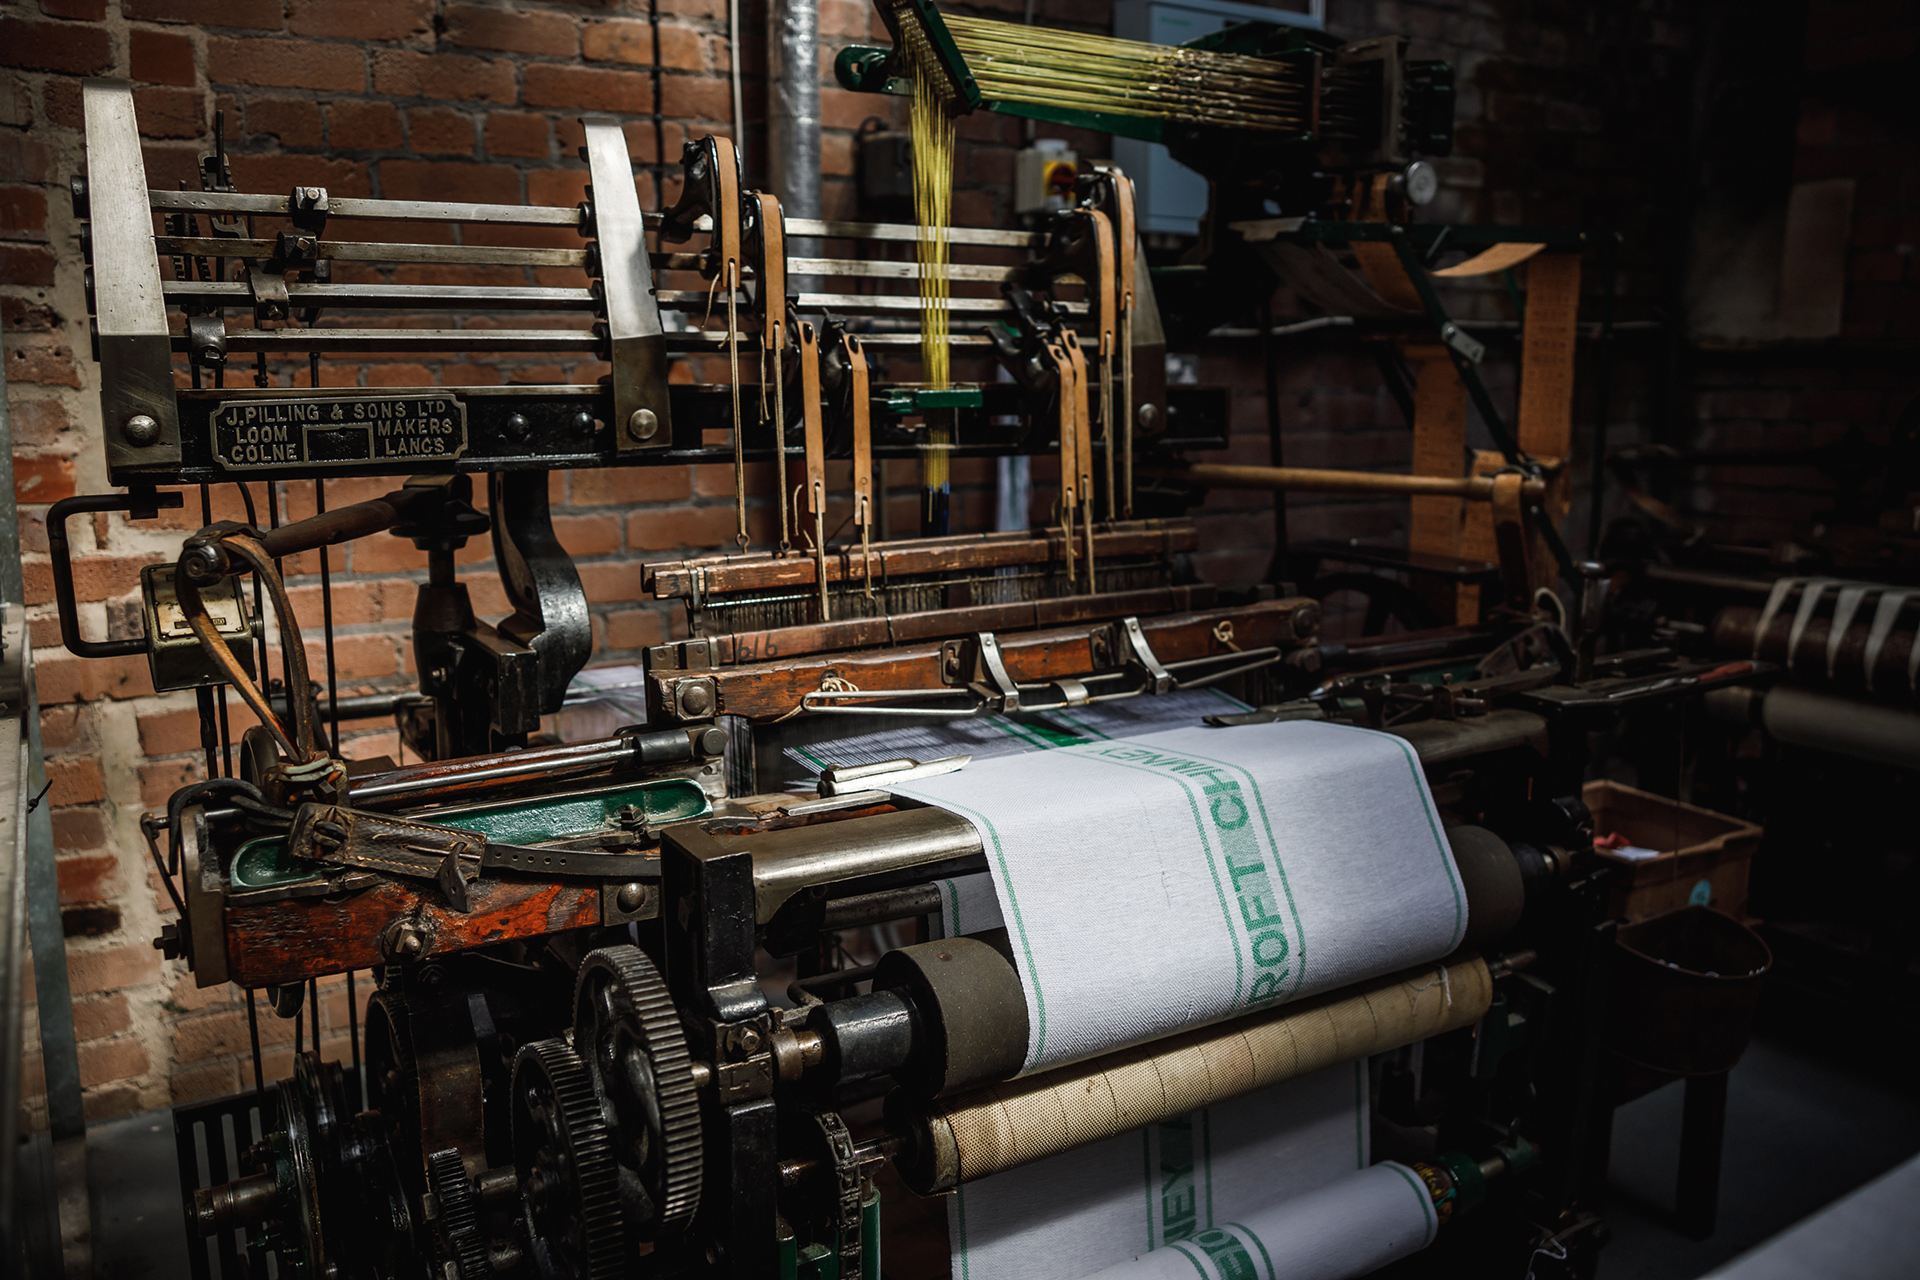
(726, 208)
(772, 268)
(862, 433)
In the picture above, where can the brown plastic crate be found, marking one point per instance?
(1698, 847)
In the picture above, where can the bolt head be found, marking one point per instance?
(631, 897)
(748, 1039)
(518, 426)
(696, 699)
(141, 429)
(642, 424)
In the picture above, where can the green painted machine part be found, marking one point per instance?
(907, 401)
(1469, 1183)
(822, 1262)
(265, 864)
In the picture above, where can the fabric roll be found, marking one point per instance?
(988, 1131)
(1163, 882)
(1349, 1228)
(1110, 1201)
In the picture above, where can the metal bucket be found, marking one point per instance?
(1685, 985)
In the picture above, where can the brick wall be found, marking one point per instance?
(1569, 113)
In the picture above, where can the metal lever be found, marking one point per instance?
(1131, 642)
(834, 779)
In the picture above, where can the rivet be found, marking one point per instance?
(642, 424)
(141, 429)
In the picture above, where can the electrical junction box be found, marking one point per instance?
(1169, 197)
(1043, 176)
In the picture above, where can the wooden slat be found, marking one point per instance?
(727, 575)
(768, 689)
(936, 624)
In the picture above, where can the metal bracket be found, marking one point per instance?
(987, 673)
(1457, 338)
(637, 346)
(1130, 643)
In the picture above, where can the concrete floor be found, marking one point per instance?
(1801, 1132)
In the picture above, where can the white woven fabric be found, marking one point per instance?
(1347, 1228)
(1106, 1203)
(1163, 882)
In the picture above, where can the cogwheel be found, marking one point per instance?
(628, 1032)
(563, 1151)
(459, 1215)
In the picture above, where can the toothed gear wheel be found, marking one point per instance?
(459, 1215)
(629, 1034)
(563, 1152)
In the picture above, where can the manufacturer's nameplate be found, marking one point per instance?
(338, 432)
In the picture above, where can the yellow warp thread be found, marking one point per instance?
(931, 125)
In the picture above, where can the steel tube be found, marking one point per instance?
(1824, 722)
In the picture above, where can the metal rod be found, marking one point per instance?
(1222, 475)
(326, 615)
(355, 207)
(253, 1034)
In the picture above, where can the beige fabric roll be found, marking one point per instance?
(987, 1131)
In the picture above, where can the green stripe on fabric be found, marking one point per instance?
(1019, 921)
(1187, 1253)
(1279, 866)
(1259, 1244)
(1426, 1198)
(953, 896)
(960, 1212)
(1206, 846)
(1206, 1158)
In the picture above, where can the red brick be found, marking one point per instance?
(521, 32)
(595, 535)
(357, 657)
(77, 830)
(32, 265)
(22, 215)
(294, 121)
(403, 73)
(517, 134)
(111, 968)
(700, 98)
(55, 46)
(635, 629)
(613, 583)
(166, 733)
(587, 88)
(170, 113)
(16, 103)
(438, 131)
(91, 878)
(680, 527)
(161, 57)
(399, 375)
(75, 781)
(77, 10)
(24, 159)
(361, 19)
(105, 1061)
(283, 173)
(159, 781)
(363, 126)
(98, 1019)
(204, 1082)
(286, 64)
(443, 180)
(258, 15)
(64, 728)
(70, 679)
(557, 187)
(42, 477)
(623, 40)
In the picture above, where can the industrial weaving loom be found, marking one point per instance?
(938, 863)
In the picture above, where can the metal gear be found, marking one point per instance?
(393, 1084)
(628, 1032)
(563, 1152)
(459, 1207)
